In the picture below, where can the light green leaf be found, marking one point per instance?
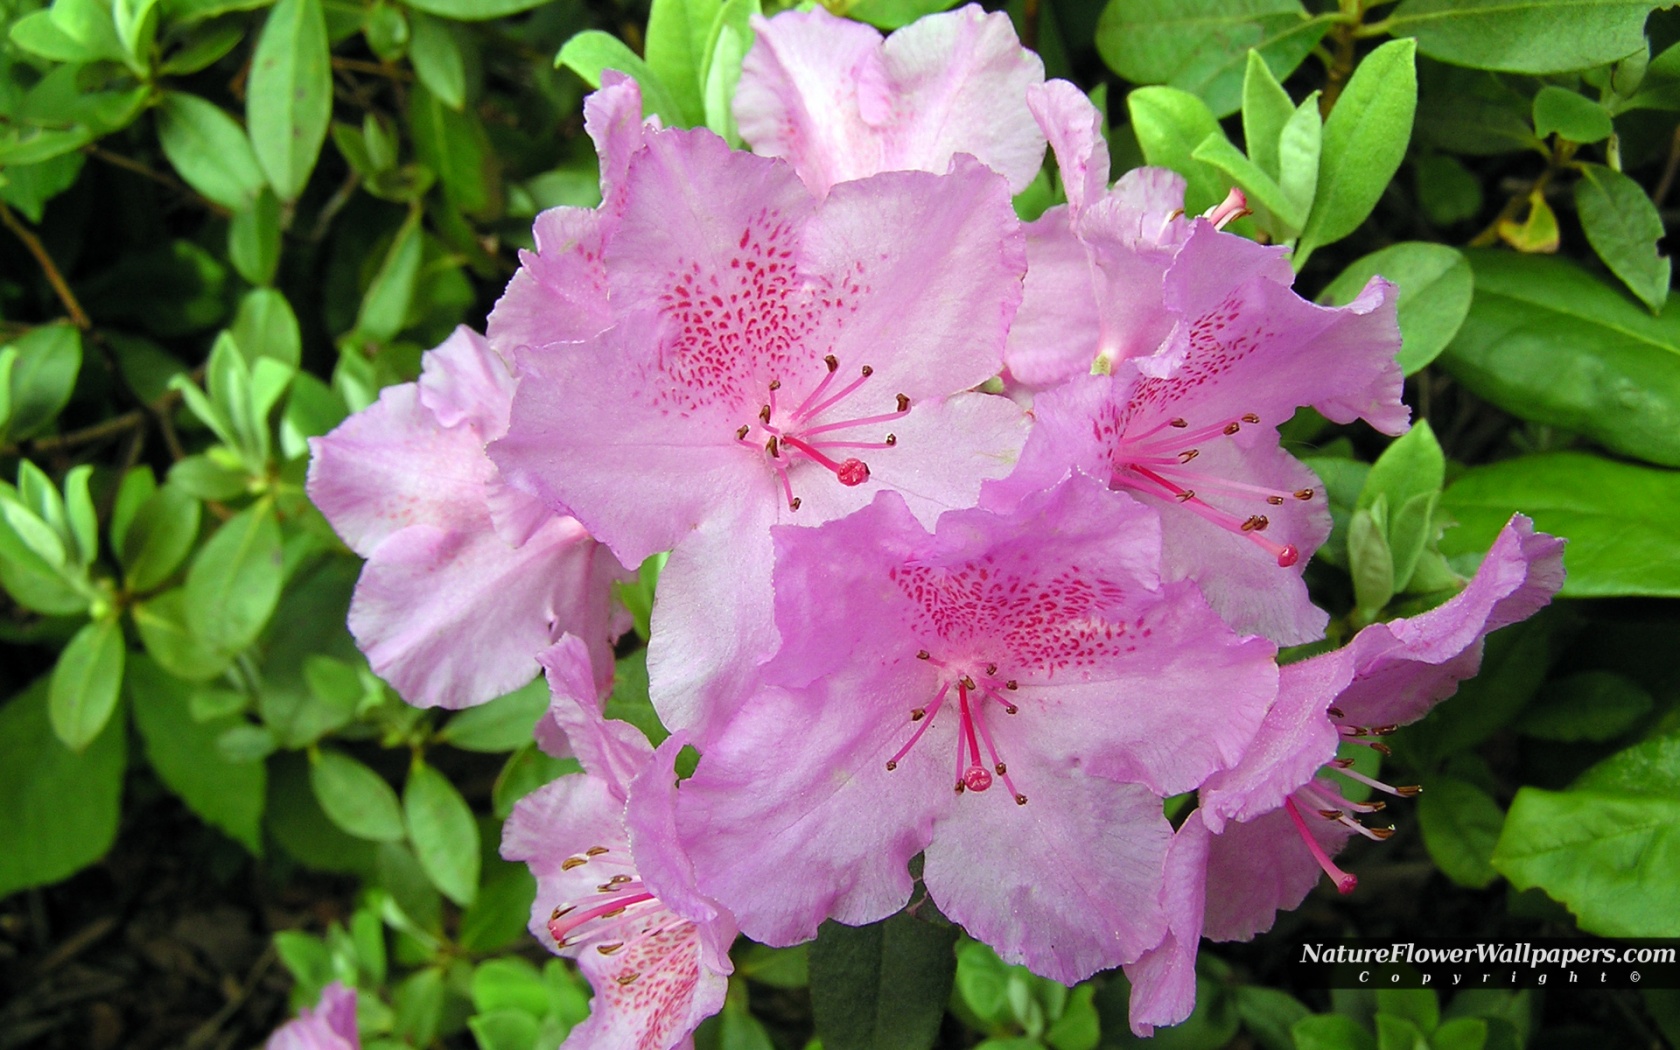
(234, 581)
(437, 59)
(266, 327)
(591, 52)
(1570, 115)
(354, 797)
(473, 10)
(1364, 141)
(162, 623)
(1266, 108)
(1623, 227)
(1524, 36)
(443, 832)
(1280, 216)
(1331, 1032)
(730, 40)
(289, 99)
(678, 35)
(48, 361)
(454, 146)
(86, 682)
(136, 22)
(503, 724)
(1170, 125)
(254, 239)
(1436, 286)
(1370, 561)
(160, 537)
(384, 308)
(1460, 825)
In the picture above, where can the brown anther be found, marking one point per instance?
(1303, 494)
(1256, 523)
(571, 862)
(1380, 748)
(1383, 833)
(764, 414)
(773, 446)
(1381, 730)
(961, 787)
(595, 851)
(568, 909)
(892, 439)
(1177, 213)
(923, 654)
(991, 669)
(793, 504)
(1330, 814)
(867, 371)
(1185, 495)
(1276, 501)
(775, 384)
(903, 403)
(608, 949)
(1179, 423)
(741, 435)
(1335, 712)
(1188, 454)
(967, 682)
(1001, 769)
(625, 980)
(1342, 763)
(891, 766)
(615, 913)
(1012, 684)
(832, 362)
(1020, 800)
(1011, 709)
(1232, 427)
(1410, 790)
(618, 880)
(1250, 417)
(553, 915)
(918, 714)
(1377, 807)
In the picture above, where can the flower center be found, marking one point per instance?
(971, 729)
(790, 435)
(620, 914)
(1158, 461)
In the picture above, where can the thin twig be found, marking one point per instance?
(378, 69)
(1669, 169)
(78, 316)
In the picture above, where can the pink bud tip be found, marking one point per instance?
(1287, 557)
(977, 779)
(853, 472)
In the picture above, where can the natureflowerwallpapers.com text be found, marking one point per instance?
(1459, 962)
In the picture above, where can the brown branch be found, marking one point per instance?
(378, 69)
(1029, 24)
(1341, 67)
(78, 316)
(1666, 183)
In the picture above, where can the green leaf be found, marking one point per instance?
(1408, 476)
(38, 34)
(1592, 705)
(444, 834)
(354, 797)
(1609, 856)
(205, 478)
(731, 38)
(437, 59)
(504, 1029)
(1553, 344)
(265, 326)
(234, 581)
(419, 1004)
(883, 986)
(1460, 825)
(1370, 562)
(776, 967)
(162, 533)
(1463, 1033)
(254, 239)
(1282, 217)
(1447, 190)
(1570, 115)
(1436, 287)
(453, 144)
(678, 35)
(1524, 36)
(384, 308)
(58, 808)
(207, 45)
(1417, 1006)
(1623, 227)
(1397, 1033)
(86, 682)
(209, 150)
(82, 520)
(1266, 108)
(591, 52)
(289, 99)
(503, 724)
(1364, 141)
(1331, 1032)
(473, 10)
(509, 984)
(1267, 1014)
(1170, 125)
(497, 916)
(162, 623)
(29, 188)
(184, 752)
(48, 360)
(136, 22)
(1202, 46)
(1618, 518)
(894, 14)
(89, 23)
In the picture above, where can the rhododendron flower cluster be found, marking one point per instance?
(981, 538)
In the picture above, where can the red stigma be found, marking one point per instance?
(1288, 556)
(977, 779)
(853, 472)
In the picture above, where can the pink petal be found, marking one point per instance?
(1259, 868)
(614, 752)
(559, 293)
(331, 1025)
(1075, 129)
(1164, 979)
(463, 381)
(557, 822)
(1055, 335)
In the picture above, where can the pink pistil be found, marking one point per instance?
(1344, 881)
(1229, 210)
(567, 921)
(778, 431)
(1249, 528)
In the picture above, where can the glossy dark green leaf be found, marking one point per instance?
(1523, 36)
(1617, 517)
(1460, 825)
(234, 581)
(354, 797)
(254, 239)
(1202, 46)
(1365, 139)
(443, 832)
(86, 683)
(1623, 227)
(163, 532)
(883, 986)
(209, 150)
(289, 99)
(58, 808)
(1549, 342)
(1570, 115)
(1435, 284)
(184, 752)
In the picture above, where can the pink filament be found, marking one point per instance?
(1344, 881)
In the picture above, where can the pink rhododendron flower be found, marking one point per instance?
(840, 103)
(1267, 826)
(331, 1025)
(773, 357)
(467, 579)
(1034, 662)
(614, 890)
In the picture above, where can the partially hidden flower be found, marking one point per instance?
(773, 357)
(1268, 826)
(1010, 695)
(330, 1025)
(614, 890)
(839, 103)
(467, 580)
